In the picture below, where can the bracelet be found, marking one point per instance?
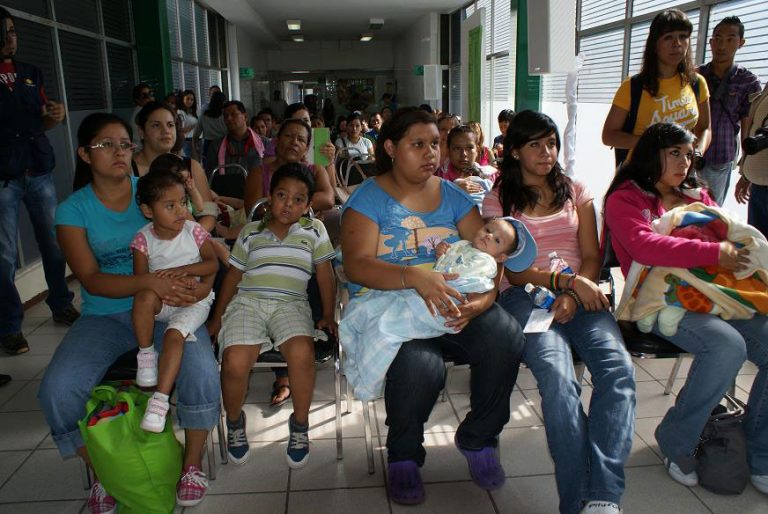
(402, 276)
(574, 295)
(571, 281)
(552, 279)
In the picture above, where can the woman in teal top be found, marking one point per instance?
(94, 227)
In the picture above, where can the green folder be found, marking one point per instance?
(320, 137)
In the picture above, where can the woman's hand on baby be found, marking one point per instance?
(592, 298)
(329, 324)
(564, 308)
(435, 292)
(170, 273)
(441, 249)
(175, 291)
(732, 258)
(469, 186)
(474, 305)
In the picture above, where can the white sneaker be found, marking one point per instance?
(154, 416)
(687, 479)
(760, 482)
(146, 372)
(600, 507)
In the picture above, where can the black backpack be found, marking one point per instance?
(635, 93)
(722, 453)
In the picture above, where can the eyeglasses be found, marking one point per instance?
(145, 96)
(110, 145)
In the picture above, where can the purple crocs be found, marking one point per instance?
(404, 483)
(484, 466)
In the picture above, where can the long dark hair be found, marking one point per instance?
(394, 130)
(646, 166)
(180, 102)
(89, 128)
(513, 193)
(216, 105)
(664, 22)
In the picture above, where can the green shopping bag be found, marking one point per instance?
(138, 468)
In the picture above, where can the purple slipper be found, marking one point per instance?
(404, 482)
(484, 466)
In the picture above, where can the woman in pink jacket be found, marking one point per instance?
(656, 180)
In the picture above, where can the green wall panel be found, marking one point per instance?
(527, 87)
(153, 47)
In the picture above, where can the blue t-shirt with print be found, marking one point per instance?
(406, 236)
(109, 235)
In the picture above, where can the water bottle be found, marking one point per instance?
(542, 297)
(557, 263)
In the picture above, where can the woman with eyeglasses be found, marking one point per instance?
(95, 227)
(160, 134)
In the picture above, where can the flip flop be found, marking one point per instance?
(276, 392)
(404, 483)
(484, 466)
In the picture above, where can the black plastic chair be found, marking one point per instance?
(228, 180)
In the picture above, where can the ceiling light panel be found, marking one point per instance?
(293, 24)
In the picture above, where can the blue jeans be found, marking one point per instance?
(757, 209)
(718, 178)
(39, 195)
(89, 349)
(720, 348)
(589, 451)
(491, 344)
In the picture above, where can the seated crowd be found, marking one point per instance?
(139, 233)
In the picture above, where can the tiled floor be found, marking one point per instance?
(33, 479)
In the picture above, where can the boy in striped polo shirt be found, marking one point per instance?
(271, 264)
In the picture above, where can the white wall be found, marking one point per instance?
(420, 44)
(251, 54)
(331, 55)
(594, 161)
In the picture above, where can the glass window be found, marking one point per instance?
(187, 31)
(117, 19)
(121, 77)
(600, 12)
(82, 14)
(601, 74)
(201, 35)
(173, 28)
(36, 47)
(83, 72)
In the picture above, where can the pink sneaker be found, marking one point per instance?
(99, 501)
(192, 487)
